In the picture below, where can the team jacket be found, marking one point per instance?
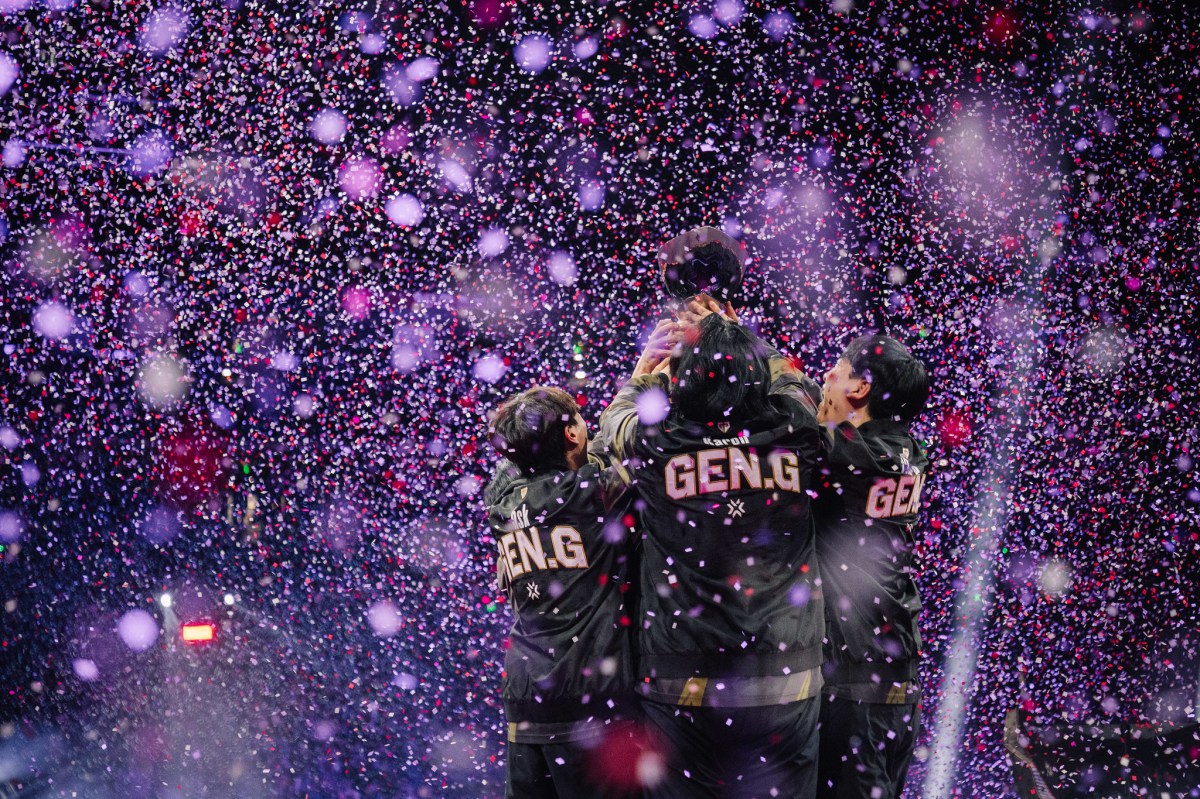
(565, 559)
(868, 494)
(731, 611)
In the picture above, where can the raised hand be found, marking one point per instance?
(663, 340)
(699, 306)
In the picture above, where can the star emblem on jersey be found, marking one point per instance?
(534, 591)
(736, 508)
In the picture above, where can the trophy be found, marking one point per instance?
(703, 260)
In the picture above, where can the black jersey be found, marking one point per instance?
(729, 586)
(564, 560)
(868, 495)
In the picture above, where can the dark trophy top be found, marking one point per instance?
(702, 260)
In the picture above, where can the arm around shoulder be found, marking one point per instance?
(619, 422)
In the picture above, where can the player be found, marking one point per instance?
(565, 561)
(731, 615)
(868, 495)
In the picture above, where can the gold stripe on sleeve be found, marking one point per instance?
(692, 694)
(806, 685)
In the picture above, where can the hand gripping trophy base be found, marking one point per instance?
(689, 265)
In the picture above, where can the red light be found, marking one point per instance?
(1000, 26)
(955, 428)
(198, 632)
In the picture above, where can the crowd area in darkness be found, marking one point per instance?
(267, 272)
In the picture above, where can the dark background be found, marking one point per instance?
(1008, 188)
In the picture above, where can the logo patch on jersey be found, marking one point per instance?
(736, 508)
(723, 427)
(534, 591)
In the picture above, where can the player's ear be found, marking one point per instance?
(574, 434)
(859, 389)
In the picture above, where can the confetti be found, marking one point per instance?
(267, 270)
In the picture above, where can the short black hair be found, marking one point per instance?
(899, 382)
(724, 375)
(528, 427)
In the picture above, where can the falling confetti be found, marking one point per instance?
(267, 270)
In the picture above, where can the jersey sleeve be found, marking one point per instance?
(505, 474)
(789, 381)
(503, 579)
(619, 422)
(615, 478)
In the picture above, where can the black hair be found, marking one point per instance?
(722, 376)
(528, 427)
(899, 382)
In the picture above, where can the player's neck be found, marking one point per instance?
(858, 418)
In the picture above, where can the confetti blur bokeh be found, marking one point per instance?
(268, 266)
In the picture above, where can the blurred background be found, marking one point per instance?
(267, 267)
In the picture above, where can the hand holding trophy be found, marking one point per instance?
(701, 269)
